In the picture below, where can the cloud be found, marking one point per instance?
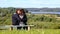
(30, 3)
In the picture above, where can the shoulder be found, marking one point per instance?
(25, 16)
(14, 15)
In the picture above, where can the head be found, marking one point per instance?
(20, 11)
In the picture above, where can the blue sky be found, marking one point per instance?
(30, 3)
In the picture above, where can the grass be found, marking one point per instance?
(33, 31)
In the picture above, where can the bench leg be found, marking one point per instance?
(28, 28)
(11, 28)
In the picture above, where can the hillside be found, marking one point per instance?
(41, 20)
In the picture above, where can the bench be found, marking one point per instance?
(10, 26)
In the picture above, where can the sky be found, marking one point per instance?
(30, 3)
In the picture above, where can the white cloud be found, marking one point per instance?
(30, 3)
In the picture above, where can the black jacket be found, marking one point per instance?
(16, 19)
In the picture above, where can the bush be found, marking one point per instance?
(40, 21)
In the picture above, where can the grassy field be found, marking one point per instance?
(33, 31)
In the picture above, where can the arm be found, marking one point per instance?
(13, 20)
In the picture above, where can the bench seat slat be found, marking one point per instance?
(17, 25)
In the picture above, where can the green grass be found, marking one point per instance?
(33, 31)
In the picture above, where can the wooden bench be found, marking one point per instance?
(29, 26)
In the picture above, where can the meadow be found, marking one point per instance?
(32, 31)
(49, 22)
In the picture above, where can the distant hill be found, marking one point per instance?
(44, 9)
(12, 9)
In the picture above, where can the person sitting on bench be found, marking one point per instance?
(19, 18)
